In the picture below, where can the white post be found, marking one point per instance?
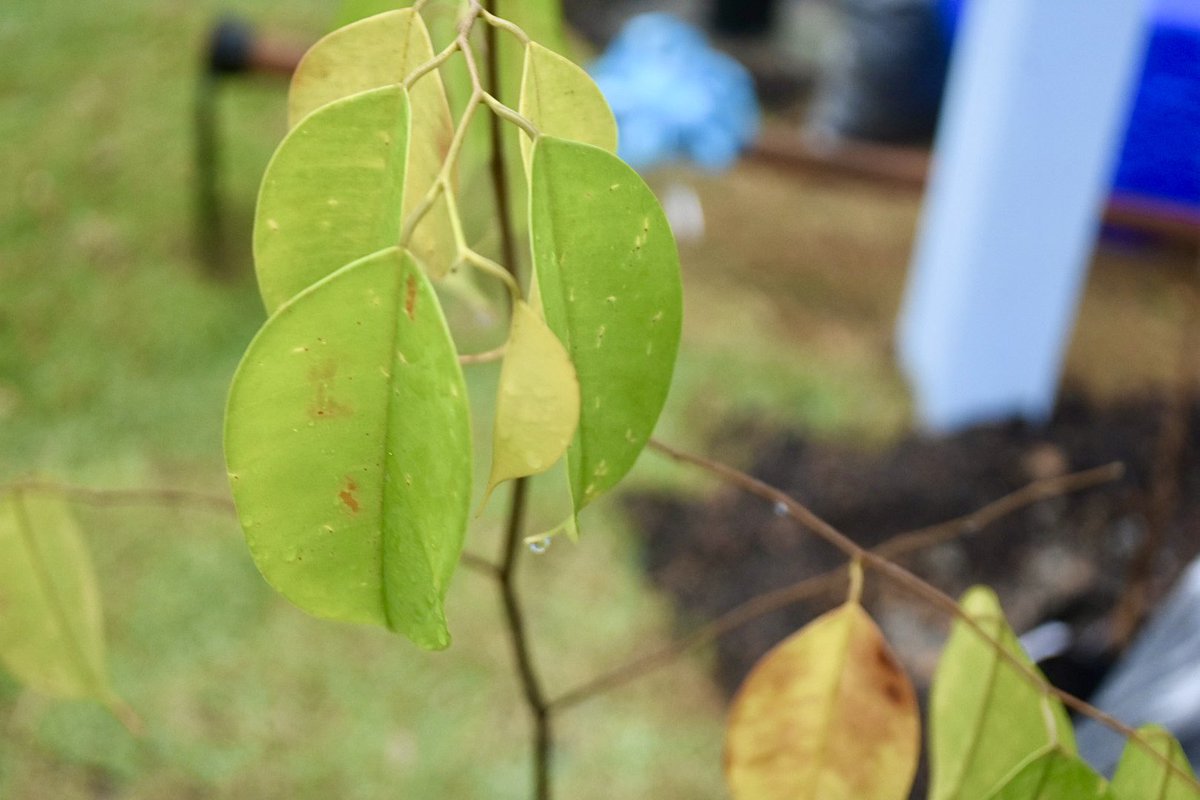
(1033, 118)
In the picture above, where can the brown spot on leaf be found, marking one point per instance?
(884, 659)
(891, 678)
(323, 405)
(348, 497)
(410, 296)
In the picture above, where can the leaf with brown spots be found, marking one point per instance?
(608, 278)
(357, 515)
(827, 714)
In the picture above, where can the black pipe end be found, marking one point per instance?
(230, 46)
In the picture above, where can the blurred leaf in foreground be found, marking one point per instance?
(1142, 776)
(51, 624)
(986, 717)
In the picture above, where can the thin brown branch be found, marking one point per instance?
(531, 684)
(898, 546)
(170, 498)
(527, 673)
(499, 167)
(913, 584)
(174, 498)
(922, 538)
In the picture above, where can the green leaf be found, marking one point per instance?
(378, 51)
(375, 52)
(348, 444)
(51, 624)
(608, 274)
(1143, 776)
(986, 717)
(825, 715)
(542, 21)
(332, 192)
(562, 100)
(537, 404)
(1054, 775)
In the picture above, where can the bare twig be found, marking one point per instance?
(170, 498)
(486, 357)
(173, 498)
(531, 684)
(898, 546)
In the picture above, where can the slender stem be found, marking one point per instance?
(429, 66)
(531, 685)
(485, 264)
(503, 24)
(171, 498)
(441, 183)
(174, 498)
(500, 180)
(535, 698)
(509, 115)
(486, 357)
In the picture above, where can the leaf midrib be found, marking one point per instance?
(574, 465)
(831, 700)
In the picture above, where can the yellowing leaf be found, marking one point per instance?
(51, 625)
(379, 51)
(562, 100)
(332, 192)
(1054, 775)
(348, 444)
(826, 715)
(986, 717)
(1142, 776)
(542, 20)
(537, 406)
(434, 242)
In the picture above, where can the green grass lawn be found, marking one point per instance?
(116, 348)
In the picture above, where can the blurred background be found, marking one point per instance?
(132, 138)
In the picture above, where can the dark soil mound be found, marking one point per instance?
(1063, 556)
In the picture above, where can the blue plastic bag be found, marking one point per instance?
(675, 98)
